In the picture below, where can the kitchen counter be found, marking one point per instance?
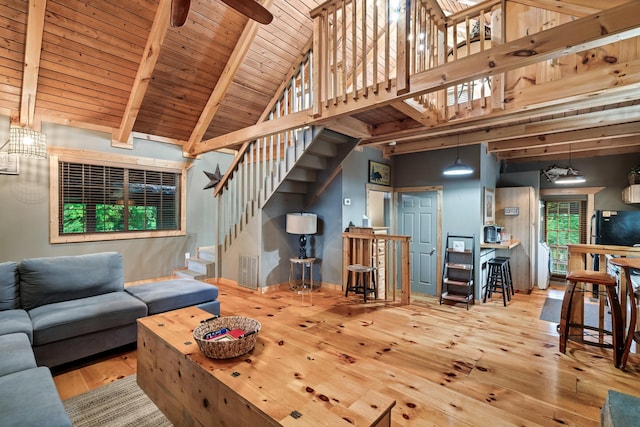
(509, 244)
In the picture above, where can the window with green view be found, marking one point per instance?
(564, 226)
(103, 199)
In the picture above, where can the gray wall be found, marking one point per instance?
(607, 171)
(24, 222)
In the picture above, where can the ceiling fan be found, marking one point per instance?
(250, 8)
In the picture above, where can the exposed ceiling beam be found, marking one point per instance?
(348, 126)
(582, 121)
(122, 136)
(556, 151)
(32, 49)
(613, 151)
(416, 111)
(577, 8)
(603, 86)
(586, 33)
(224, 82)
(583, 135)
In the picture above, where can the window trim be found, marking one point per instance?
(58, 154)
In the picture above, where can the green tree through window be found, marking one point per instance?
(563, 227)
(104, 199)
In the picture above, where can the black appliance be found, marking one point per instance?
(620, 228)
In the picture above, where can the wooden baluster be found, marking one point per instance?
(363, 53)
(343, 23)
(334, 47)
(374, 32)
(354, 50)
(387, 41)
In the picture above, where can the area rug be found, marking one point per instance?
(551, 313)
(121, 403)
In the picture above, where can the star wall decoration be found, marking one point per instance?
(214, 178)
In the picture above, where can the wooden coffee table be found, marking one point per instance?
(279, 383)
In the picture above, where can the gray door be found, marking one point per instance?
(418, 214)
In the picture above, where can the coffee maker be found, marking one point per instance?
(492, 233)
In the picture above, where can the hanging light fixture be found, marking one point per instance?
(572, 176)
(458, 168)
(26, 142)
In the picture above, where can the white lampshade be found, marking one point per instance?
(302, 223)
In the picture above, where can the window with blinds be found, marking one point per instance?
(565, 224)
(95, 199)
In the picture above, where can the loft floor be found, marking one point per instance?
(444, 365)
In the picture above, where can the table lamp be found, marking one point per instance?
(302, 224)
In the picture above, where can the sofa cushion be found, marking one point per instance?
(30, 398)
(62, 320)
(12, 321)
(169, 295)
(54, 279)
(15, 354)
(9, 286)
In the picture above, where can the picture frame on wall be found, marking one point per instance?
(489, 206)
(9, 164)
(379, 173)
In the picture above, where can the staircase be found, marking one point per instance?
(203, 266)
(311, 168)
(302, 162)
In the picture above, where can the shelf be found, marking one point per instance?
(466, 251)
(459, 266)
(457, 272)
(458, 282)
(456, 297)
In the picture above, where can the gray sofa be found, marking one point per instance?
(59, 309)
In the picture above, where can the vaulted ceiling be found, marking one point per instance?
(119, 67)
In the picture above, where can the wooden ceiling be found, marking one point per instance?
(119, 67)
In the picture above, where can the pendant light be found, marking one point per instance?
(458, 168)
(572, 176)
(26, 142)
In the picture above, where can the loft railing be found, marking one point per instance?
(360, 48)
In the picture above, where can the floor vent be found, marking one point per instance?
(248, 267)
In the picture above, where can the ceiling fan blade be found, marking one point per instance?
(251, 9)
(179, 12)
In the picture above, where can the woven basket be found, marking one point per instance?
(227, 349)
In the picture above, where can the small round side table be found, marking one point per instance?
(303, 287)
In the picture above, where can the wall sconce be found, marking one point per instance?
(302, 224)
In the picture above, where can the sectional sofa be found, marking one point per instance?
(59, 309)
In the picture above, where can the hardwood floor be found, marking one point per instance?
(444, 365)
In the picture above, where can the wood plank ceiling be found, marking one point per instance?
(119, 67)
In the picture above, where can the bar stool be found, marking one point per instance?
(497, 280)
(361, 282)
(508, 272)
(596, 278)
(630, 333)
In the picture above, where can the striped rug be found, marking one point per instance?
(121, 403)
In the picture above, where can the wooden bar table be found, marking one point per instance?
(282, 382)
